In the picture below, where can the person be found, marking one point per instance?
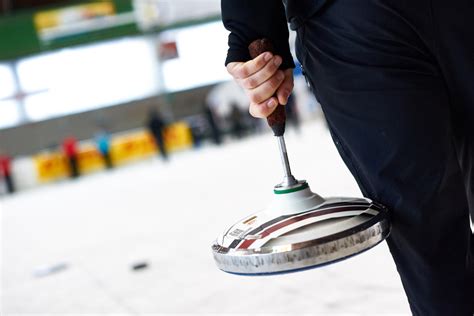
(216, 133)
(156, 125)
(6, 172)
(395, 81)
(237, 127)
(102, 140)
(70, 150)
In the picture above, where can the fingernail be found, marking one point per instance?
(277, 61)
(267, 56)
(271, 103)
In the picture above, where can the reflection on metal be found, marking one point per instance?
(333, 229)
(291, 257)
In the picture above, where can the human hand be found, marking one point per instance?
(265, 85)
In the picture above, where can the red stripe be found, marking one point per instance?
(265, 233)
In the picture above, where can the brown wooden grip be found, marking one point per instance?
(277, 119)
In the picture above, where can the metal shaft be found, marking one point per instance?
(289, 180)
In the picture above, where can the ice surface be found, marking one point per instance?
(168, 215)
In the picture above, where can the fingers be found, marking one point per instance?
(267, 89)
(259, 77)
(240, 70)
(266, 99)
(264, 109)
(286, 87)
(262, 75)
(264, 84)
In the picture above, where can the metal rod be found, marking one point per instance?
(289, 179)
(284, 156)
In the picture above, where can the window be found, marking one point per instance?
(7, 82)
(89, 77)
(85, 78)
(202, 50)
(9, 114)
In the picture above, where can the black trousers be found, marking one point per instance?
(160, 143)
(74, 165)
(9, 183)
(395, 79)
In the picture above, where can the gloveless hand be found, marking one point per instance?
(265, 85)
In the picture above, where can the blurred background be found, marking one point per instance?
(125, 149)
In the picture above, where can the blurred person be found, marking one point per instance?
(102, 140)
(6, 172)
(70, 150)
(197, 135)
(156, 125)
(216, 132)
(236, 119)
(395, 81)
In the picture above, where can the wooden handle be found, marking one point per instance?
(277, 119)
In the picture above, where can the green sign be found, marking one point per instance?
(82, 22)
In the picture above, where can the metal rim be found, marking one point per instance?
(303, 259)
(307, 254)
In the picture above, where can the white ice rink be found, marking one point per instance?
(168, 215)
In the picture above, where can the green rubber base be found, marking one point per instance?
(291, 190)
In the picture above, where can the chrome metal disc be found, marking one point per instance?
(334, 230)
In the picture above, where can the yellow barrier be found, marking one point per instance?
(89, 159)
(178, 136)
(51, 166)
(55, 165)
(131, 147)
(123, 149)
(141, 144)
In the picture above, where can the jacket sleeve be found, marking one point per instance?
(248, 20)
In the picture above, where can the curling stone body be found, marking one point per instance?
(299, 230)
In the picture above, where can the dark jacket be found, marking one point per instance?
(248, 20)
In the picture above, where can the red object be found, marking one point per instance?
(5, 165)
(70, 146)
(168, 50)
